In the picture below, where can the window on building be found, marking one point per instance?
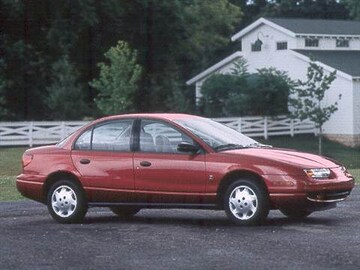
(342, 43)
(311, 42)
(281, 46)
(256, 47)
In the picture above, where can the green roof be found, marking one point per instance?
(316, 26)
(345, 61)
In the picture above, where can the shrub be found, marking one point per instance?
(263, 93)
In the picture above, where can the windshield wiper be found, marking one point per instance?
(260, 145)
(229, 146)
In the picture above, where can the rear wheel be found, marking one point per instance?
(125, 211)
(295, 213)
(246, 203)
(66, 202)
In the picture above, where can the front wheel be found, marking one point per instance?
(246, 202)
(66, 202)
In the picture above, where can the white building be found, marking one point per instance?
(287, 45)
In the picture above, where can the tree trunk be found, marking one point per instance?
(320, 141)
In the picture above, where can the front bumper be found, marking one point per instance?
(290, 191)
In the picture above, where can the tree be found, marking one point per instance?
(220, 92)
(269, 92)
(174, 39)
(66, 98)
(252, 10)
(117, 82)
(241, 93)
(22, 75)
(307, 99)
(207, 33)
(354, 8)
(324, 9)
(3, 110)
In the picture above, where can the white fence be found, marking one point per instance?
(36, 133)
(41, 133)
(265, 126)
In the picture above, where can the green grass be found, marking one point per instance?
(10, 159)
(10, 166)
(356, 174)
(8, 190)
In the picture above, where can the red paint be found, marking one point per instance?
(175, 177)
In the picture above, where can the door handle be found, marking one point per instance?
(145, 163)
(84, 161)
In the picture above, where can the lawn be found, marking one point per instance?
(10, 166)
(10, 159)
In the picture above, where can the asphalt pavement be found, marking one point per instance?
(178, 239)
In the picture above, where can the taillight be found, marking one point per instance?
(26, 159)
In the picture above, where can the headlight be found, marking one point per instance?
(318, 173)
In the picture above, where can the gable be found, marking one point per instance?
(296, 26)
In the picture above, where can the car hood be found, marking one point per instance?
(287, 156)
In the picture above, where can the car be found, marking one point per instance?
(134, 161)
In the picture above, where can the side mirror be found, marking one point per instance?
(187, 148)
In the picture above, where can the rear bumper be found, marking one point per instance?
(31, 186)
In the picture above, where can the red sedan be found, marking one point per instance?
(130, 162)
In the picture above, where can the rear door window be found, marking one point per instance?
(109, 136)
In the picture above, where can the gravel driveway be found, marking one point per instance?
(178, 239)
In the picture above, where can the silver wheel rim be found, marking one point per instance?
(243, 202)
(64, 201)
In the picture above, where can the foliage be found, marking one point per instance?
(269, 91)
(68, 24)
(66, 98)
(220, 93)
(240, 93)
(117, 82)
(174, 40)
(252, 10)
(307, 99)
(21, 74)
(180, 99)
(325, 9)
(240, 67)
(354, 8)
(3, 110)
(207, 33)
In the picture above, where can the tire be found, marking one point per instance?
(125, 211)
(246, 202)
(295, 213)
(66, 202)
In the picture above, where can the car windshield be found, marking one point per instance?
(217, 136)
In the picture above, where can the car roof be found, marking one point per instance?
(166, 116)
